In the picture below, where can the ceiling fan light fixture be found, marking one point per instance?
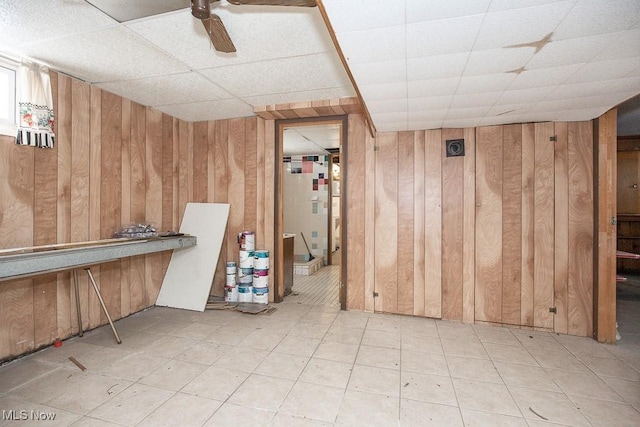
(201, 9)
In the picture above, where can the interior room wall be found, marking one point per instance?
(305, 204)
(117, 162)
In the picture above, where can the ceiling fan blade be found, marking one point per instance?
(300, 3)
(218, 34)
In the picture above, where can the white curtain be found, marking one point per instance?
(35, 106)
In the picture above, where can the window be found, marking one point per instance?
(8, 124)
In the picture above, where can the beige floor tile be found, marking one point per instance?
(464, 348)
(327, 372)
(205, 353)
(366, 409)
(230, 335)
(242, 359)
(169, 346)
(216, 383)
(345, 335)
(427, 388)
(173, 375)
(603, 413)
(298, 346)
(49, 416)
(375, 380)
(484, 396)
(309, 330)
(583, 384)
(422, 343)
(262, 392)
(385, 323)
(22, 371)
(541, 343)
(425, 414)
(456, 331)
(231, 415)
(314, 401)
(526, 376)
(93, 422)
(559, 360)
(319, 318)
(337, 351)
(351, 319)
(419, 326)
(480, 419)
(426, 363)
(132, 339)
(628, 390)
(132, 405)
(285, 420)
(135, 366)
(511, 354)
(581, 346)
(496, 335)
(539, 405)
(378, 356)
(473, 369)
(85, 392)
(182, 409)
(169, 326)
(196, 331)
(288, 366)
(606, 367)
(94, 357)
(48, 386)
(376, 338)
(260, 340)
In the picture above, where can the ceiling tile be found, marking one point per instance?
(573, 51)
(373, 45)
(384, 106)
(437, 38)
(524, 25)
(602, 17)
(384, 91)
(301, 73)
(135, 57)
(427, 115)
(433, 88)
(502, 109)
(499, 120)
(462, 113)
(497, 5)
(628, 44)
(354, 15)
(395, 118)
(461, 123)
(542, 77)
(208, 110)
(258, 33)
(527, 96)
(380, 72)
(469, 100)
(436, 67)
(605, 70)
(62, 17)
(424, 125)
(430, 103)
(576, 90)
(496, 61)
(485, 83)
(302, 96)
(420, 10)
(169, 89)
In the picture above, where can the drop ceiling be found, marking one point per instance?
(418, 64)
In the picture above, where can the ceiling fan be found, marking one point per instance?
(214, 26)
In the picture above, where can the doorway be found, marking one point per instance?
(310, 210)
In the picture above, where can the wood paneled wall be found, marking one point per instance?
(485, 237)
(117, 162)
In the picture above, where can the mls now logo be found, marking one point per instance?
(23, 415)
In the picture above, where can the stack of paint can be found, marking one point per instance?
(246, 240)
(230, 288)
(261, 277)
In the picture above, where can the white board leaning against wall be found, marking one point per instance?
(190, 273)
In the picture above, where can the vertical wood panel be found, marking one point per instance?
(528, 224)
(110, 195)
(236, 185)
(269, 191)
(488, 292)
(63, 141)
(356, 239)
(561, 264)
(125, 215)
(261, 180)
(544, 227)
(369, 211)
(250, 176)
(405, 222)
(580, 278)
(138, 176)
(153, 202)
(95, 184)
(418, 224)
(433, 223)
(221, 195)
(452, 224)
(167, 182)
(80, 163)
(512, 224)
(386, 220)
(200, 161)
(469, 227)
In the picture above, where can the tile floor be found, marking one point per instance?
(319, 288)
(313, 366)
